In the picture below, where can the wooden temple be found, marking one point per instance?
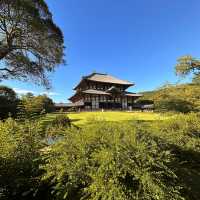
(102, 91)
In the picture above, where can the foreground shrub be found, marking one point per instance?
(108, 161)
(182, 135)
(182, 130)
(61, 121)
(103, 160)
(57, 128)
(19, 159)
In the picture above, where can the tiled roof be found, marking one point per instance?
(148, 106)
(105, 78)
(68, 105)
(130, 94)
(62, 104)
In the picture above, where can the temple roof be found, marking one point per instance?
(68, 105)
(105, 78)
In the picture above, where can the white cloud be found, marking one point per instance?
(50, 93)
(24, 91)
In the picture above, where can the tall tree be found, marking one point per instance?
(187, 65)
(8, 102)
(31, 45)
(35, 105)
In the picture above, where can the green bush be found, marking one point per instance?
(57, 128)
(103, 160)
(182, 135)
(20, 146)
(61, 121)
(182, 130)
(110, 161)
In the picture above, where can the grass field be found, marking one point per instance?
(85, 117)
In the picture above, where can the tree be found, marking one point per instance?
(187, 65)
(36, 105)
(48, 103)
(181, 98)
(8, 102)
(30, 43)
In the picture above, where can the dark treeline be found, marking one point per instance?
(28, 105)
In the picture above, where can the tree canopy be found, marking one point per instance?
(35, 105)
(180, 98)
(187, 65)
(8, 101)
(31, 44)
(7, 94)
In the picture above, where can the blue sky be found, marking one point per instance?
(135, 40)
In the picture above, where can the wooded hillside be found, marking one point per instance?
(180, 98)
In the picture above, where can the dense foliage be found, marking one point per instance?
(182, 135)
(179, 98)
(30, 43)
(103, 160)
(189, 65)
(127, 161)
(28, 106)
(32, 106)
(61, 121)
(8, 102)
(20, 146)
(56, 129)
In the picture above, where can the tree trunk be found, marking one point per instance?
(4, 52)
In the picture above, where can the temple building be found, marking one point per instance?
(102, 91)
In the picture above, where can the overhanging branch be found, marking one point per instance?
(6, 69)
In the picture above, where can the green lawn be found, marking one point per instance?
(85, 117)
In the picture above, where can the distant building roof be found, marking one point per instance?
(69, 105)
(105, 78)
(62, 104)
(148, 106)
(130, 94)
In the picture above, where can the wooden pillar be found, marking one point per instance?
(107, 102)
(91, 101)
(121, 101)
(113, 104)
(98, 101)
(131, 103)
